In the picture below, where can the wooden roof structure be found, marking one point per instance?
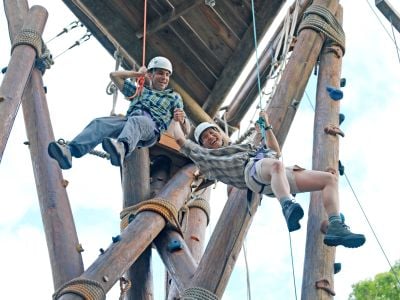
(208, 46)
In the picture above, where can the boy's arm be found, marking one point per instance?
(177, 132)
(118, 77)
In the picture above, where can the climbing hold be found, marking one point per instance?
(130, 218)
(342, 82)
(101, 251)
(4, 70)
(79, 248)
(341, 168)
(45, 89)
(342, 217)
(116, 239)
(337, 267)
(174, 245)
(341, 118)
(334, 93)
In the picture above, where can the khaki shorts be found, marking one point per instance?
(258, 185)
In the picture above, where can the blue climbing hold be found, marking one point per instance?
(116, 239)
(334, 93)
(337, 267)
(341, 168)
(342, 217)
(342, 82)
(4, 70)
(174, 245)
(341, 118)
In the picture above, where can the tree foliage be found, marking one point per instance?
(385, 286)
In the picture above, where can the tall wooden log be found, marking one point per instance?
(62, 241)
(17, 75)
(290, 90)
(225, 243)
(319, 259)
(194, 234)
(389, 12)
(136, 237)
(136, 188)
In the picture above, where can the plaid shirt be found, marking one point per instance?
(225, 164)
(159, 104)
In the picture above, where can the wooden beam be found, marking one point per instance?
(169, 17)
(319, 259)
(240, 56)
(289, 92)
(136, 188)
(17, 75)
(136, 237)
(62, 241)
(389, 12)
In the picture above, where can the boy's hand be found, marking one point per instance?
(179, 115)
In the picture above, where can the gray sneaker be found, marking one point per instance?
(293, 213)
(116, 150)
(61, 153)
(339, 234)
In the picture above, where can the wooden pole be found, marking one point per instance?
(17, 75)
(389, 12)
(137, 236)
(319, 259)
(62, 241)
(195, 231)
(136, 188)
(225, 243)
(290, 90)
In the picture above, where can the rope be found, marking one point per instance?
(199, 202)
(320, 19)
(86, 288)
(31, 38)
(198, 293)
(111, 87)
(93, 152)
(292, 260)
(141, 80)
(159, 205)
(247, 272)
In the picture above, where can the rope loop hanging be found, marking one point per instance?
(86, 288)
(320, 19)
(198, 293)
(158, 205)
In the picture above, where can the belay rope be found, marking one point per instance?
(141, 79)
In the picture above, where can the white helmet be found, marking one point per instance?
(201, 128)
(160, 62)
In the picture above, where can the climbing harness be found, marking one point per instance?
(87, 289)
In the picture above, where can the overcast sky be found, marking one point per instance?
(76, 87)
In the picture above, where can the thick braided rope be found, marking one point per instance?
(320, 19)
(88, 289)
(159, 205)
(197, 293)
(202, 204)
(29, 37)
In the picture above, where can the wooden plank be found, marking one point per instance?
(239, 58)
(169, 17)
(319, 259)
(389, 12)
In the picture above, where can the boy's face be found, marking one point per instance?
(159, 79)
(211, 139)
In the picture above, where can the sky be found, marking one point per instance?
(76, 86)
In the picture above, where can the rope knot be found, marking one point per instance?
(86, 288)
(139, 87)
(198, 293)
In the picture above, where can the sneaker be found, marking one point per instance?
(116, 151)
(61, 153)
(339, 234)
(293, 213)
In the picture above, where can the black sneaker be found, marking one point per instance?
(339, 234)
(61, 153)
(115, 149)
(293, 213)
